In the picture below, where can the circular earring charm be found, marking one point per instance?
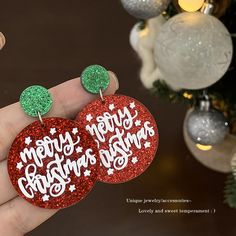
(53, 162)
(124, 130)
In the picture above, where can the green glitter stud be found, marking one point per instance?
(35, 99)
(95, 78)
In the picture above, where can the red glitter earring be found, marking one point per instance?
(124, 130)
(53, 162)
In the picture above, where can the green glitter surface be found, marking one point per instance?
(94, 78)
(35, 99)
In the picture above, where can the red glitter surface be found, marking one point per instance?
(77, 186)
(139, 158)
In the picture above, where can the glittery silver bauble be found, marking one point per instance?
(145, 9)
(217, 157)
(193, 50)
(207, 126)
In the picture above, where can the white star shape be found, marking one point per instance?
(52, 131)
(147, 144)
(74, 130)
(134, 160)
(87, 173)
(79, 149)
(137, 123)
(28, 140)
(72, 188)
(132, 105)
(45, 198)
(19, 165)
(111, 107)
(110, 171)
(89, 117)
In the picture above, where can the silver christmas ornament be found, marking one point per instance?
(193, 50)
(145, 9)
(206, 126)
(217, 157)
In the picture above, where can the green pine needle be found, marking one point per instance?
(230, 191)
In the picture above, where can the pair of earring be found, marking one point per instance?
(54, 162)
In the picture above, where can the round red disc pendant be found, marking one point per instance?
(53, 165)
(126, 134)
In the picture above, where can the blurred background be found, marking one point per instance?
(49, 42)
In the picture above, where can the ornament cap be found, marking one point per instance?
(204, 102)
(208, 7)
(204, 105)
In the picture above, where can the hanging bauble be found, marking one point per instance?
(55, 165)
(142, 39)
(136, 33)
(193, 50)
(206, 126)
(217, 157)
(2, 40)
(124, 130)
(145, 9)
(126, 135)
(53, 162)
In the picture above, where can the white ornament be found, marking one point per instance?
(134, 36)
(145, 9)
(143, 41)
(193, 50)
